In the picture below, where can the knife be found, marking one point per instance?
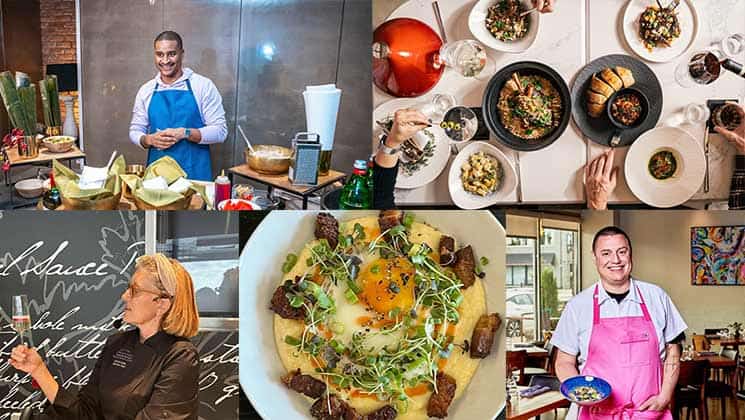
(706, 155)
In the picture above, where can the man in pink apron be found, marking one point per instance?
(624, 331)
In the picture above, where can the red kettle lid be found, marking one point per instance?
(404, 55)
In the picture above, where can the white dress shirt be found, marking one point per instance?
(208, 99)
(572, 334)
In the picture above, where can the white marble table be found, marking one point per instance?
(576, 33)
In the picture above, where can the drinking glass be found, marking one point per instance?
(21, 316)
(467, 57)
(733, 45)
(701, 68)
(696, 113)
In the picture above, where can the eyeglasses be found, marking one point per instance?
(135, 290)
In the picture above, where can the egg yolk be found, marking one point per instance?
(388, 284)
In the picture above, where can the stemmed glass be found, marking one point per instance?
(467, 57)
(21, 317)
(460, 123)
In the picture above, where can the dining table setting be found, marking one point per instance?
(538, 96)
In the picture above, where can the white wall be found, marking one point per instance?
(661, 249)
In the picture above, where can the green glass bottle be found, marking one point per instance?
(356, 194)
(370, 166)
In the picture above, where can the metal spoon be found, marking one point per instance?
(245, 138)
(528, 11)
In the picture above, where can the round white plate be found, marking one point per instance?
(282, 232)
(683, 184)
(476, 23)
(436, 163)
(466, 200)
(689, 22)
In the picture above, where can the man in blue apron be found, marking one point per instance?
(178, 113)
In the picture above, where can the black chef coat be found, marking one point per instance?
(157, 379)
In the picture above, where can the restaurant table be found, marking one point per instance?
(730, 342)
(576, 33)
(528, 408)
(44, 158)
(533, 352)
(282, 182)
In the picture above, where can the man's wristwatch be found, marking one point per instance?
(187, 133)
(385, 149)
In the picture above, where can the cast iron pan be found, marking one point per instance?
(491, 97)
(600, 130)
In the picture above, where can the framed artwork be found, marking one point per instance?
(718, 255)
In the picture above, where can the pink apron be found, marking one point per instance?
(625, 352)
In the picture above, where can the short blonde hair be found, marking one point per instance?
(182, 319)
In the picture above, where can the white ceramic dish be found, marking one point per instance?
(466, 200)
(674, 191)
(436, 163)
(689, 23)
(282, 232)
(30, 188)
(477, 25)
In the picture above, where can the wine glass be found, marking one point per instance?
(21, 316)
(467, 57)
(702, 68)
(460, 123)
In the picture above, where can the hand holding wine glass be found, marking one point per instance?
(26, 359)
(21, 317)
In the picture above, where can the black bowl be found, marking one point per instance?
(644, 102)
(491, 98)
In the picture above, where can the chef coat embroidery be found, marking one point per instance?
(122, 358)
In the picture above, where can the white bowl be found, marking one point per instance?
(467, 200)
(476, 23)
(30, 188)
(281, 232)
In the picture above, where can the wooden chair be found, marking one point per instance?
(516, 361)
(725, 388)
(547, 367)
(690, 391)
(700, 343)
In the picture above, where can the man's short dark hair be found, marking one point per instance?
(610, 231)
(169, 36)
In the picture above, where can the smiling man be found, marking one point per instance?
(624, 331)
(178, 113)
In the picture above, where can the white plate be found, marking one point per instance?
(688, 17)
(685, 182)
(437, 162)
(466, 200)
(476, 23)
(286, 231)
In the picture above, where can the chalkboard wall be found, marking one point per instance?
(74, 268)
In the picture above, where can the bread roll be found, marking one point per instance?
(596, 98)
(611, 78)
(627, 77)
(595, 110)
(599, 86)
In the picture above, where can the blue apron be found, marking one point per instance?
(176, 109)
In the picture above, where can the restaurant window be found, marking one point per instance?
(206, 244)
(521, 255)
(558, 268)
(542, 273)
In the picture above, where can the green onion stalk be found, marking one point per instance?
(20, 103)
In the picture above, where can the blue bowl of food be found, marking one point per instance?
(585, 390)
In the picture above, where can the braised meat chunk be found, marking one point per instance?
(482, 338)
(327, 227)
(333, 408)
(383, 413)
(440, 400)
(464, 265)
(390, 218)
(280, 304)
(304, 384)
(447, 251)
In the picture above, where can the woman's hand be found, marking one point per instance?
(736, 137)
(600, 180)
(406, 123)
(26, 359)
(544, 6)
